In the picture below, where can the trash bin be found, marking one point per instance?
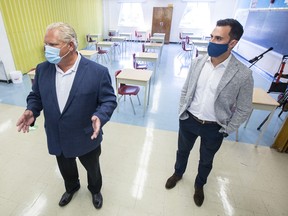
(16, 76)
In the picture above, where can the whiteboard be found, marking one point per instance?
(268, 28)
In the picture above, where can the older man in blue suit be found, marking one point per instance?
(77, 99)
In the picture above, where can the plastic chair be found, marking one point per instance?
(181, 37)
(90, 40)
(186, 52)
(143, 48)
(149, 38)
(103, 54)
(138, 36)
(138, 65)
(124, 90)
(116, 45)
(31, 74)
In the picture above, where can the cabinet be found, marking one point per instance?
(281, 141)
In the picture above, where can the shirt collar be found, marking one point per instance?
(222, 64)
(73, 68)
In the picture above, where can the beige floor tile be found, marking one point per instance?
(136, 163)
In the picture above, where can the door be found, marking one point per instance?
(161, 23)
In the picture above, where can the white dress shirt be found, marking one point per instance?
(64, 83)
(202, 105)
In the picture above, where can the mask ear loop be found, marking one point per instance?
(66, 53)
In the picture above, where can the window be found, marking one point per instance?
(196, 16)
(131, 15)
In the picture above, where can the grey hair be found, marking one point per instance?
(67, 33)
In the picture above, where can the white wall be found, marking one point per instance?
(221, 9)
(111, 8)
(5, 52)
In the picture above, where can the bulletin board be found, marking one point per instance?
(268, 28)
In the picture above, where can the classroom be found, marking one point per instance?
(147, 49)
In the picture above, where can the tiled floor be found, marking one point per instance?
(136, 162)
(138, 156)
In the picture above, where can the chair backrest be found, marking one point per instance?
(101, 51)
(184, 46)
(187, 39)
(143, 48)
(180, 36)
(134, 61)
(116, 74)
(183, 43)
(137, 34)
(111, 33)
(89, 38)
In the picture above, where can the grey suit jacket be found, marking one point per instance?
(233, 99)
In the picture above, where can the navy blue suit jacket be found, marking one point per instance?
(92, 93)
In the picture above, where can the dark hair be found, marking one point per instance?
(236, 28)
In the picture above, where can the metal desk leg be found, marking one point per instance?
(264, 127)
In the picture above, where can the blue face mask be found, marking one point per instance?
(52, 54)
(215, 50)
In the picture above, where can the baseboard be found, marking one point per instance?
(6, 81)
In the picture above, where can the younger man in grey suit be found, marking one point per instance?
(215, 100)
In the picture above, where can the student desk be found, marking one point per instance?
(107, 44)
(154, 46)
(121, 40)
(31, 75)
(95, 36)
(157, 39)
(136, 77)
(262, 101)
(147, 57)
(88, 53)
(200, 43)
(159, 35)
(127, 35)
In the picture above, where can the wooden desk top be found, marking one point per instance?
(146, 55)
(159, 35)
(262, 97)
(95, 35)
(87, 52)
(195, 37)
(156, 38)
(105, 43)
(117, 38)
(135, 74)
(31, 74)
(200, 41)
(125, 33)
(153, 44)
(202, 49)
(142, 31)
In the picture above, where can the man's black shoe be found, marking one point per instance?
(198, 196)
(67, 197)
(172, 181)
(97, 200)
